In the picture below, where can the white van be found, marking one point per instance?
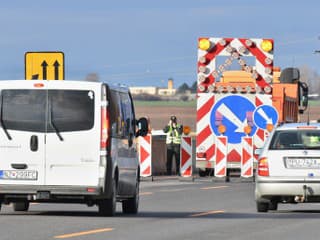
(68, 142)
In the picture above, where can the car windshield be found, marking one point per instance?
(295, 139)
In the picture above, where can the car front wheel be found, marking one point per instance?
(20, 206)
(273, 205)
(262, 207)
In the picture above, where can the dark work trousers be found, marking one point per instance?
(173, 150)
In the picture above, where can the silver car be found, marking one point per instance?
(289, 167)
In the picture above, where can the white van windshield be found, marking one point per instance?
(39, 110)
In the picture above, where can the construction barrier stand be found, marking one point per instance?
(145, 156)
(221, 156)
(247, 157)
(186, 156)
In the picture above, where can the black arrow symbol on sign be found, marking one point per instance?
(56, 70)
(44, 70)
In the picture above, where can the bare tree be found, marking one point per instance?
(311, 78)
(92, 77)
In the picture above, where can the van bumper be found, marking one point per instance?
(53, 190)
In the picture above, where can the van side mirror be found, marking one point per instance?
(143, 127)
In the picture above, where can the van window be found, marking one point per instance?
(126, 106)
(71, 110)
(24, 109)
(30, 110)
(115, 114)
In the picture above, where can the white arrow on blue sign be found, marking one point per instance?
(264, 115)
(234, 112)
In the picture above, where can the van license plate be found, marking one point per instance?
(18, 174)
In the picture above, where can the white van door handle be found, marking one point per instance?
(34, 143)
(19, 165)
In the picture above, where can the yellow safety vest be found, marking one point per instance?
(173, 135)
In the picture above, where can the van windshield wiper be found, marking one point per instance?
(1, 121)
(53, 125)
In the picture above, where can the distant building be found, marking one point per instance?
(169, 91)
(144, 90)
(166, 92)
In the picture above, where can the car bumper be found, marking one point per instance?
(286, 187)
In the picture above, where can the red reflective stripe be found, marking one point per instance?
(104, 127)
(260, 56)
(204, 109)
(212, 54)
(217, 49)
(203, 135)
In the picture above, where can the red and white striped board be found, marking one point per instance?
(186, 156)
(233, 48)
(247, 157)
(221, 156)
(145, 156)
(205, 139)
(209, 94)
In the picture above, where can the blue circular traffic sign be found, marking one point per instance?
(264, 115)
(234, 112)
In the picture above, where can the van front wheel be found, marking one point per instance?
(107, 207)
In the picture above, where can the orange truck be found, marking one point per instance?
(241, 96)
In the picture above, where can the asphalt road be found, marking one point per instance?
(169, 209)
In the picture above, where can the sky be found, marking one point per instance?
(146, 42)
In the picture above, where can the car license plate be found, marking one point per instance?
(43, 195)
(18, 174)
(303, 163)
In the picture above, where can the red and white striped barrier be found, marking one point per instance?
(221, 156)
(247, 157)
(145, 156)
(186, 156)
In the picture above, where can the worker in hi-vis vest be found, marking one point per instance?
(173, 131)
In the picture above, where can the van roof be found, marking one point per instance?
(115, 87)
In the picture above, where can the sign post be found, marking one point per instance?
(44, 65)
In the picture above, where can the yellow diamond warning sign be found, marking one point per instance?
(44, 65)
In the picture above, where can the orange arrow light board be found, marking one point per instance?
(44, 65)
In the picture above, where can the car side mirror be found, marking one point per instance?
(143, 127)
(303, 96)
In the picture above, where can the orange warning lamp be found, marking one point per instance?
(186, 130)
(266, 45)
(204, 44)
(222, 129)
(247, 129)
(269, 127)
